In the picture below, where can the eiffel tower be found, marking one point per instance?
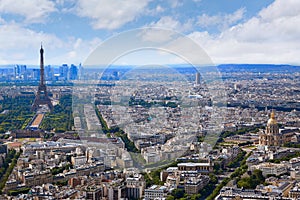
(42, 97)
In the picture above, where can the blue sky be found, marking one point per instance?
(229, 31)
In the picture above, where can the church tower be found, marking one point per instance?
(42, 97)
(271, 136)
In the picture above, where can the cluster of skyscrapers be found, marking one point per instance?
(52, 73)
(62, 73)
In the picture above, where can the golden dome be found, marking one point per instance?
(272, 119)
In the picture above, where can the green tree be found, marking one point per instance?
(196, 197)
(251, 182)
(213, 179)
(177, 193)
(61, 118)
(170, 197)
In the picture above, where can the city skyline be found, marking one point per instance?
(150, 99)
(229, 32)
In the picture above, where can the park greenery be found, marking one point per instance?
(236, 162)
(128, 143)
(203, 193)
(57, 170)
(292, 145)
(18, 191)
(15, 112)
(117, 132)
(285, 158)
(241, 131)
(61, 118)
(153, 177)
(61, 183)
(164, 103)
(8, 166)
(20, 83)
(4, 136)
(252, 181)
(103, 123)
(210, 191)
(238, 172)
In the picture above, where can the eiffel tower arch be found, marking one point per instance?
(42, 97)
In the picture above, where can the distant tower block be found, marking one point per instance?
(42, 97)
(197, 81)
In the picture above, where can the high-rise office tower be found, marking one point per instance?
(48, 73)
(21, 72)
(73, 72)
(64, 72)
(197, 80)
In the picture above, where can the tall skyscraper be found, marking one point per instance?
(42, 97)
(64, 72)
(73, 72)
(48, 73)
(21, 72)
(36, 74)
(197, 80)
(80, 72)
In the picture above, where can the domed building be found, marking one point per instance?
(271, 136)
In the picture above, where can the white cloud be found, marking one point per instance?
(154, 11)
(201, 37)
(34, 11)
(21, 45)
(78, 43)
(14, 37)
(168, 22)
(107, 14)
(80, 50)
(282, 28)
(17, 43)
(235, 17)
(205, 20)
(2, 21)
(281, 8)
(187, 49)
(175, 3)
(221, 21)
(155, 35)
(159, 9)
(273, 36)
